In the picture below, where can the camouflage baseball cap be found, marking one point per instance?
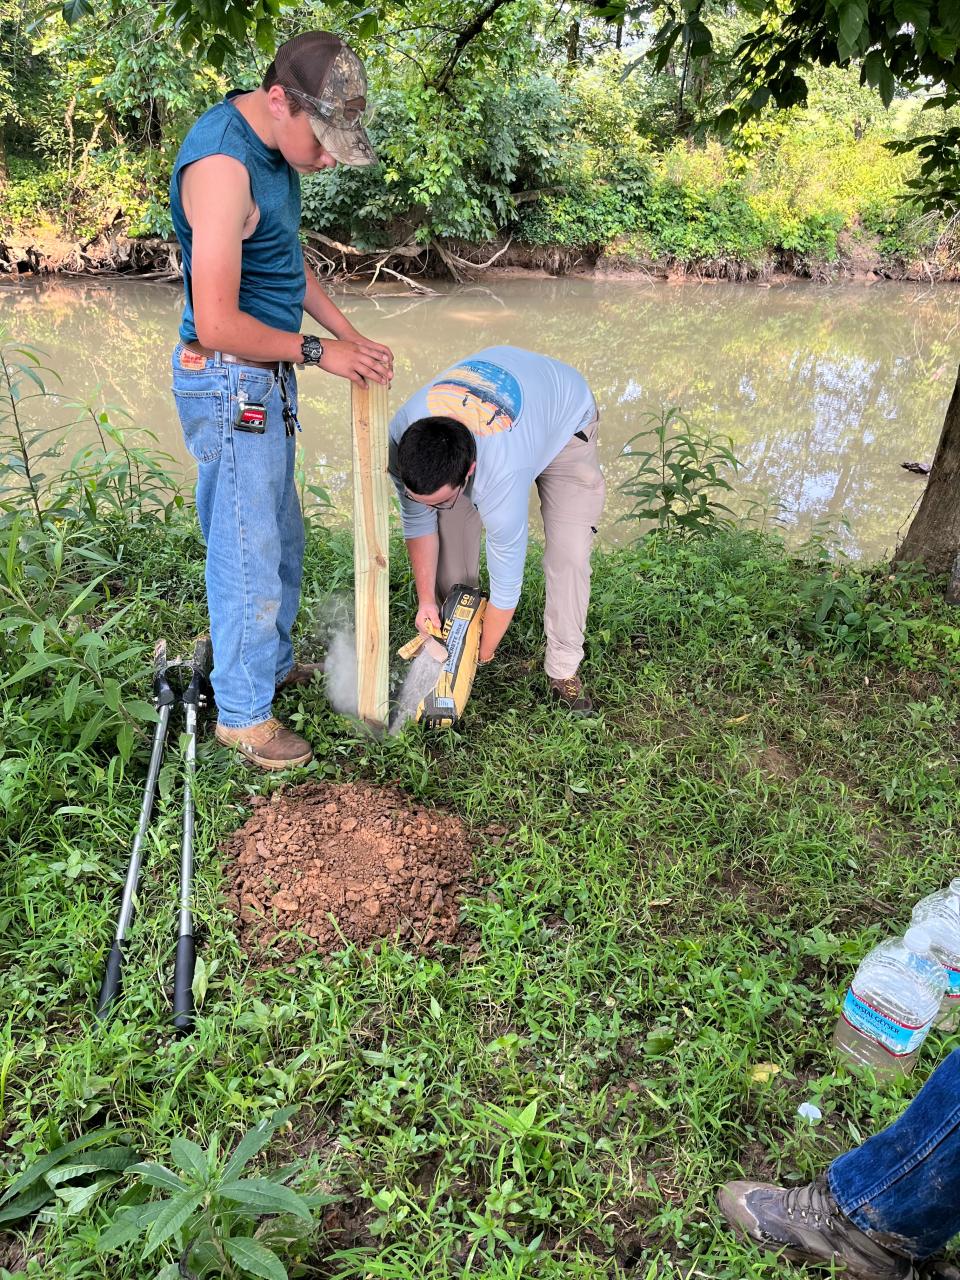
(327, 78)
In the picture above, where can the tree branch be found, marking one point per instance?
(453, 262)
(349, 250)
(463, 39)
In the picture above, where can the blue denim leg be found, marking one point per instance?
(903, 1184)
(251, 522)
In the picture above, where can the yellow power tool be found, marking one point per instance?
(462, 621)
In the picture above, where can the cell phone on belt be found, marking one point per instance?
(251, 417)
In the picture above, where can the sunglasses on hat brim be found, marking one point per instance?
(336, 114)
(347, 146)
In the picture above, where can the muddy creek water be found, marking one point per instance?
(824, 390)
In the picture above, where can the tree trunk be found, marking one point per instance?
(154, 123)
(933, 538)
(573, 43)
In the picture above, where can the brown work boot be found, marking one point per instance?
(267, 744)
(571, 695)
(301, 673)
(806, 1224)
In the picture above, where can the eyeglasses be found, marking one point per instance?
(339, 114)
(437, 506)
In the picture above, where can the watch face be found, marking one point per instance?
(312, 350)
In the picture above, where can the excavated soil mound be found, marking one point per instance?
(346, 862)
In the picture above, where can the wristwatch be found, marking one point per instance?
(311, 349)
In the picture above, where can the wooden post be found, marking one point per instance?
(371, 548)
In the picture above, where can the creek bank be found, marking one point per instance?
(403, 267)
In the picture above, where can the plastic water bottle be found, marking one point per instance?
(892, 1002)
(939, 914)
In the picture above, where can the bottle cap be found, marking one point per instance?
(917, 939)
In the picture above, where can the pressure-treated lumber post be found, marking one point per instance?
(371, 548)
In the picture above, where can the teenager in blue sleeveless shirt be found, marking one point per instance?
(235, 200)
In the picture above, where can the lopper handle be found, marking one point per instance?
(183, 982)
(110, 987)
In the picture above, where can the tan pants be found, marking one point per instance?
(572, 491)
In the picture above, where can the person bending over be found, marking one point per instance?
(465, 451)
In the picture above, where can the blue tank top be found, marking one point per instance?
(271, 273)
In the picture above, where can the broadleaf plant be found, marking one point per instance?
(211, 1216)
(73, 1173)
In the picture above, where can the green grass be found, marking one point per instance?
(678, 890)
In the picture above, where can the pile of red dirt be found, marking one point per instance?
(346, 863)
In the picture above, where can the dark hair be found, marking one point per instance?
(434, 452)
(270, 78)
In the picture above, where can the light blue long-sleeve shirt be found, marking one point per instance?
(522, 409)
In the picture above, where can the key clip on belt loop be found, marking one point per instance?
(290, 419)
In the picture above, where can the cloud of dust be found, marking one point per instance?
(333, 627)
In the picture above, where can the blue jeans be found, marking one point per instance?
(903, 1185)
(250, 517)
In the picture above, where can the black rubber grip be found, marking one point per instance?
(183, 983)
(110, 987)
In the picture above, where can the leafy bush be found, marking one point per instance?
(689, 223)
(901, 228)
(678, 475)
(580, 218)
(470, 157)
(858, 612)
(81, 202)
(851, 611)
(809, 235)
(32, 197)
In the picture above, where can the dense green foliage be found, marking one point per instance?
(586, 146)
(793, 185)
(678, 892)
(908, 44)
(897, 46)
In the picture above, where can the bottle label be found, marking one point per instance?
(953, 985)
(898, 1038)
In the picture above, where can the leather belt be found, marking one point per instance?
(198, 349)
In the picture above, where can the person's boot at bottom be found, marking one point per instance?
(569, 692)
(806, 1224)
(268, 744)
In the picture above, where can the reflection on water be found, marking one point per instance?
(824, 390)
